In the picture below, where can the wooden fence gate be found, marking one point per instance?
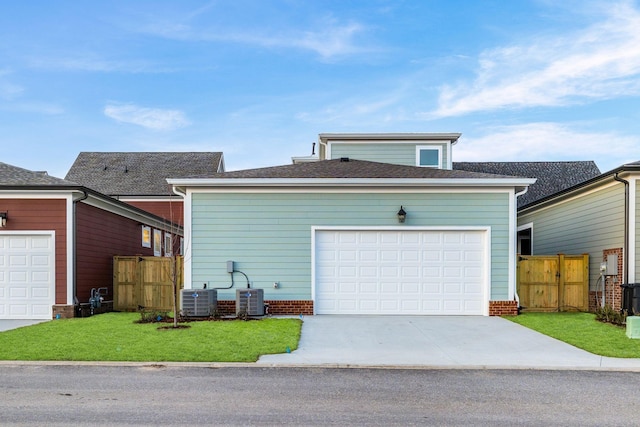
(554, 282)
(145, 282)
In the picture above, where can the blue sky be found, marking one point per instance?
(522, 80)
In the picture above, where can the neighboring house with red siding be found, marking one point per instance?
(140, 178)
(58, 240)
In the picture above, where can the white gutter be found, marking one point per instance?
(355, 182)
(515, 240)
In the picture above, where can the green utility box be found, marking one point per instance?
(633, 327)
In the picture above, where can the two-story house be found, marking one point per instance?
(377, 224)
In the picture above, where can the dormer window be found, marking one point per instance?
(429, 156)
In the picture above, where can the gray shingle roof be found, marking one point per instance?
(15, 176)
(552, 177)
(338, 168)
(140, 173)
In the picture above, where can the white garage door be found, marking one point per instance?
(26, 276)
(401, 272)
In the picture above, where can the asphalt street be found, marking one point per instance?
(162, 395)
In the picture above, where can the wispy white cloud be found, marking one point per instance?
(599, 62)
(95, 62)
(328, 38)
(151, 118)
(546, 140)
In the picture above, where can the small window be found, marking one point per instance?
(524, 241)
(429, 157)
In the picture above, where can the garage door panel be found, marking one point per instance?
(41, 292)
(389, 271)
(368, 271)
(410, 305)
(401, 272)
(27, 279)
(429, 255)
(410, 288)
(347, 287)
(41, 310)
(390, 288)
(17, 243)
(368, 305)
(326, 255)
(368, 287)
(389, 238)
(366, 256)
(347, 271)
(18, 310)
(410, 271)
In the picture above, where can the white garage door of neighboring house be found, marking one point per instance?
(437, 272)
(27, 279)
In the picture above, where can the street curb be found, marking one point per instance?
(223, 365)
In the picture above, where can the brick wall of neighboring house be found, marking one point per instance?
(503, 308)
(612, 289)
(45, 215)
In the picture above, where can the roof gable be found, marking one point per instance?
(140, 173)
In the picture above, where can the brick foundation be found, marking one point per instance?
(503, 308)
(61, 311)
(289, 307)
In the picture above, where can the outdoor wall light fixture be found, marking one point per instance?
(3, 219)
(402, 215)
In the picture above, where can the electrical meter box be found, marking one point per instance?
(612, 265)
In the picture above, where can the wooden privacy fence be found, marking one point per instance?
(553, 282)
(145, 282)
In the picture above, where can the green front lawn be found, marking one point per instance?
(117, 337)
(582, 330)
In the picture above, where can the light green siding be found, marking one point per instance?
(589, 224)
(401, 154)
(269, 235)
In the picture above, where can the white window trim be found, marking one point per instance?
(429, 147)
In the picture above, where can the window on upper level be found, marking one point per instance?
(429, 157)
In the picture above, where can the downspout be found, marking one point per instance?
(515, 288)
(84, 196)
(625, 249)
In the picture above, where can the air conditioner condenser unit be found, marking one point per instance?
(250, 302)
(198, 302)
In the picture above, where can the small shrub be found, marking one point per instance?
(607, 314)
(152, 316)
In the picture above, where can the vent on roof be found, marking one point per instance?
(344, 159)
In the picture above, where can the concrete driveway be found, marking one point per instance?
(6, 324)
(436, 342)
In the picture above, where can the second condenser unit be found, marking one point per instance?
(250, 302)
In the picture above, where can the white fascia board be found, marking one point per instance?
(355, 182)
(368, 137)
(36, 194)
(160, 199)
(114, 207)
